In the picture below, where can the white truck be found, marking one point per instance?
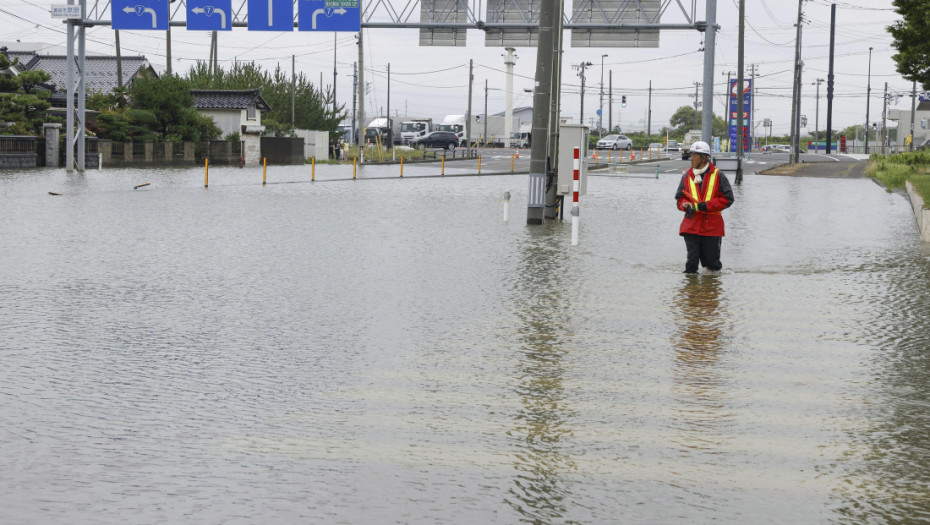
(690, 138)
(455, 124)
(376, 130)
(415, 128)
(496, 128)
(522, 138)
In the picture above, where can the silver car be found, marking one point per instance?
(615, 142)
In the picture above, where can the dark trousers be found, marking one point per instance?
(703, 249)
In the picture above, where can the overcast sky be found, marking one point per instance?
(433, 81)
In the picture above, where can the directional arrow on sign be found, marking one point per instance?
(329, 12)
(140, 10)
(209, 10)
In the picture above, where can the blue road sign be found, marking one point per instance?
(209, 15)
(329, 15)
(271, 15)
(139, 14)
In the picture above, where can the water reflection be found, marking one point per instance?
(699, 340)
(540, 493)
(886, 474)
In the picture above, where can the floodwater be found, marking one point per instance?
(392, 351)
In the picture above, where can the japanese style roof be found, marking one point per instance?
(228, 99)
(99, 71)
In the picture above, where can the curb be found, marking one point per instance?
(921, 213)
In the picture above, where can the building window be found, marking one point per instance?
(250, 112)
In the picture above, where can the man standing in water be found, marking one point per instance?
(703, 193)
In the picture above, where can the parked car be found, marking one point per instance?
(673, 145)
(615, 142)
(656, 147)
(436, 139)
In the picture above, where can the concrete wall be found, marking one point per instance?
(922, 214)
(231, 120)
(283, 150)
(15, 161)
(316, 143)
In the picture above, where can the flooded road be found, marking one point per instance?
(391, 351)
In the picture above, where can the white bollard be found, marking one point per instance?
(575, 219)
(506, 206)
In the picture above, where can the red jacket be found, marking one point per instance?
(715, 191)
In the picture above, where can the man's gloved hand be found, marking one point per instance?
(689, 210)
(702, 206)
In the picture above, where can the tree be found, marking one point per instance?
(687, 118)
(23, 100)
(170, 101)
(910, 39)
(312, 105)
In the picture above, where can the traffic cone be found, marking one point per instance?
(632, 155)
(516, 154)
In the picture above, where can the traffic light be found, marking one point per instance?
(623, 101)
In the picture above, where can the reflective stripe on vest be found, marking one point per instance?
(696, 196)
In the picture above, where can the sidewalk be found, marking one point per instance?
(851, 169)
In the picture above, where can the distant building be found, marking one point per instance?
(903, 118)
(235, 111)
(523, 114)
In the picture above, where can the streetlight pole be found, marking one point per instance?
(600, 113)
(817, 117)
(868, 95)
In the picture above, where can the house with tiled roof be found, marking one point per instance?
(100, 72)
(235, 111)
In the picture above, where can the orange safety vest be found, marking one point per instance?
(711, 187)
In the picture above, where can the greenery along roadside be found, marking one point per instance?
(894, 170)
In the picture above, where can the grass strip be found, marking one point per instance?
(894, 170)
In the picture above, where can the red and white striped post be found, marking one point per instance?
(576, 188)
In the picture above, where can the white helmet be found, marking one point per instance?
(700, 147)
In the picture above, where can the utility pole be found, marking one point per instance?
(830, 80)
(710, 42)
(335, 44)
(390, 125)
(471, 80)
(752, 106)
(600, 114)
(817, 118)
(354, 94)
(796, 90)
(649, 118)
(868, 97)
(913, 110)
(509, 61)
(294, 88)
(119, 65)
(168, 48)
(555, 108)
(610, 104)
(741, 98)
(485, 135)
(548, 49)
(581, 67)
(697, 105)
(884, 112)
(361, 87)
